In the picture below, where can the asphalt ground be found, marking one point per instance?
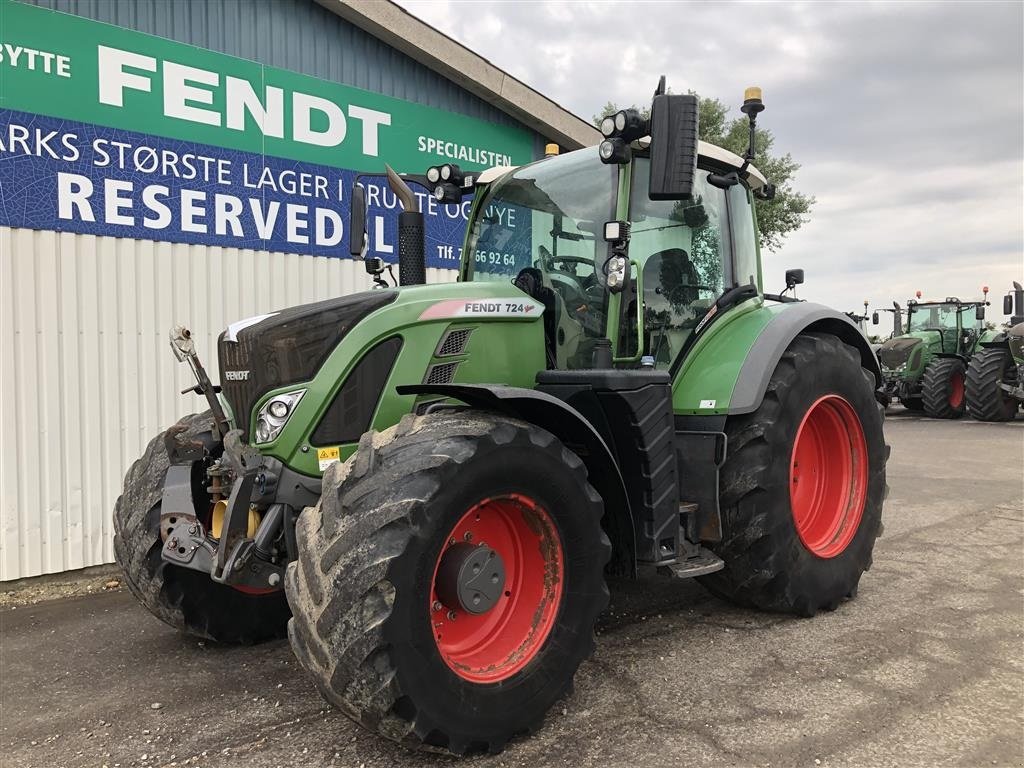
(925, 667)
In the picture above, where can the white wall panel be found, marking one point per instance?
(87, 376)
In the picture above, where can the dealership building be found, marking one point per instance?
(190, 162)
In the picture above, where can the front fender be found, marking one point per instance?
(578, 434)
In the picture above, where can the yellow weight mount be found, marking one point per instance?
(217, 520)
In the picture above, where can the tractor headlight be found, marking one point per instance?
(617, 273)
(275, 414)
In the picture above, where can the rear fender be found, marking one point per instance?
(769, 346)
(569, 426)
(1000, 340)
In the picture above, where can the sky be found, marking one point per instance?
(907, 118)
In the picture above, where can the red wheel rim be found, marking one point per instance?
(493, 646)
(828, 476)
(956, 389)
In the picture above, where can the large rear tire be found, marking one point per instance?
(803, 483)
(986, 400)
(942, 388)
(378, 627)
(187, 600)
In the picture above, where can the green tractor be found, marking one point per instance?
(925, 366)
(428, 485)
(995, 377)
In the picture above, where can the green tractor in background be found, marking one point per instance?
(995, 377)
(429, 484)
(925, 367)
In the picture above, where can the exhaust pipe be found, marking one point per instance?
(412, 268)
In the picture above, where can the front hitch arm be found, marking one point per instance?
(184, 348)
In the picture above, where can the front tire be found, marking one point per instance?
(382, 631)
(803, 483)
(986, 400)
(942, 388)
(187, 600)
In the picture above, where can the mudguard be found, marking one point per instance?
(569, 426)
(1001, 339)
(775, 338)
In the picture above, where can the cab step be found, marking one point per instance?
(700, 564)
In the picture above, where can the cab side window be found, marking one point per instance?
(682, 247)
(744, 237)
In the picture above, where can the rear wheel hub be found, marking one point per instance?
(828, 476)
(956, 389)
(470, 577)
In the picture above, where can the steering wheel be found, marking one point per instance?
(550, 259)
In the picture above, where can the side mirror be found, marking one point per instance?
(673, 146)
(979, 312)
(874, 318)
(794, 277)
(1007, 304)
(357, 221)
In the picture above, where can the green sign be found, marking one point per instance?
(64, 66)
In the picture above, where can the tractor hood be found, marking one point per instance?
(1015, 337)
(896, 352)
(316, 347)
(269, 351)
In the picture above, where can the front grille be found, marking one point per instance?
(241, 395)
(441, 373)
(288, 347)
(453, 343)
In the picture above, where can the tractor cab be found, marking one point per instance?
(553, 227)
(954, 325)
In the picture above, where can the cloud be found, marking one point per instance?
(908, 118)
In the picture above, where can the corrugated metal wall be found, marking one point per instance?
(87, 376)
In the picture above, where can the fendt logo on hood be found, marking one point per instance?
(236, 375)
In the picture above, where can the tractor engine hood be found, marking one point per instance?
(269, 351)
(1015, 337)
(896, 352)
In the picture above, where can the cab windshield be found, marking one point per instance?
(548, 217)
(939, 317)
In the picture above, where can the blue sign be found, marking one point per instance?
(76, 177)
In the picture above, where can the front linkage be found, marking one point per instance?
(235, 544)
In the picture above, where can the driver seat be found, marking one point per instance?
(670, 291)
(670, 280)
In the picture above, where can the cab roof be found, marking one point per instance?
(754, 178)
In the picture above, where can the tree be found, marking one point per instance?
(776, 218)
